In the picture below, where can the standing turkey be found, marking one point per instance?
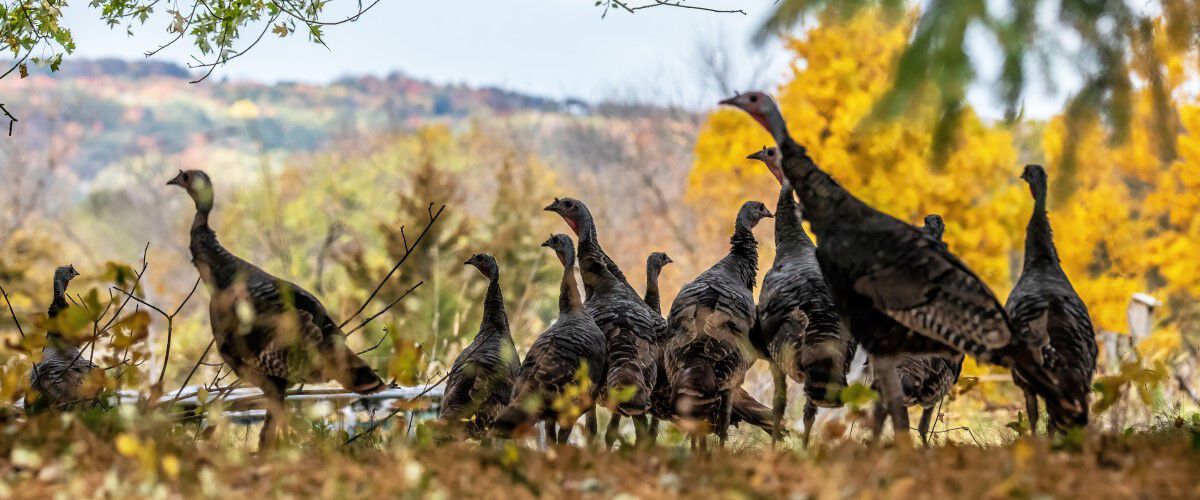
(709, 351)
(885, 272)
(799, 329)
(270, 331)
(1049, 313)
(57, 379)
(572, 345)
(745, 407)
(480, 383)
(633, 329)
(925, 380)
(660, 400)
(655, 262)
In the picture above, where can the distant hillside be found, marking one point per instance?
(113, 109)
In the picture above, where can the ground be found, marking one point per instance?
(82, 458)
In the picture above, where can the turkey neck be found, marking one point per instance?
(494, 318)
(823, 198)
(57, 305)
(587, 232)
(1039, 238)
(652, 296)
(217, 267)
(568, 292)
(790, 237)
(743, 251)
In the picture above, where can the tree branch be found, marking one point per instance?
(12, 120)
(12, 312)
(408, 250)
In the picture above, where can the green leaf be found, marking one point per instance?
(857, 395)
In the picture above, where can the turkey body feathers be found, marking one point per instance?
(799, 327)
(284, 333)
(480, 383)
(631, 328)
(708, 351)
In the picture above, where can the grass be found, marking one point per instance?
(127, 454)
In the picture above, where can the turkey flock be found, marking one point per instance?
(868, 281)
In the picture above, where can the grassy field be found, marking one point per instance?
(138, 456)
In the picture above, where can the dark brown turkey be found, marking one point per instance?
(799, 330)
(481, 379)
(56, 382)
(925, 380)
(571, 346)
(1049, 314)
(885, 272)
(660, 400)
(270, 331)
(633, 330)
(709, 352)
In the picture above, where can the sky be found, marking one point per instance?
(552, 48)
(556, 48)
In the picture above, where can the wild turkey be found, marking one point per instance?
(57, 379)
(654, 265)
(570, 344)
(270, 331)
(1050, 315)
(660, 399)
(799, 329)
(924, 380)
(709, 351)
(883, 271)
(480, 383)
(745, 407)
(633, 330)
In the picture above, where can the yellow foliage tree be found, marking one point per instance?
(1126, 217)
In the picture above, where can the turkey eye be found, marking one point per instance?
(770, 153)
(753, 98)
(568, 204)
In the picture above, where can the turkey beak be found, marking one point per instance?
(553, 207)
(177, 181)
(757, 155)
(732, 101)
(767, 214)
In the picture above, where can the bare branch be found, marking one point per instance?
(386, 308)
(194, 368)
(12, 312)
(386, 333)
(12, 120)
(407, 252)
(665, 3)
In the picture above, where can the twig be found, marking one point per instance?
(386, 334)
(12, 312)
(194, 368)
(316, 22)
(379, 423)
(222, 56)
(12, 120)
(408, 250)
(170, 323)
(677, 3)
(386, 308)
